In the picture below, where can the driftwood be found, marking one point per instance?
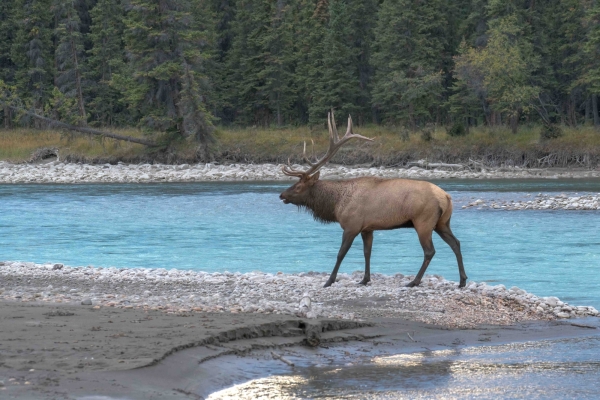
(285, 360)
(63, 125)
(427, 165)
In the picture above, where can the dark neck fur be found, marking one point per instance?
(324, 195)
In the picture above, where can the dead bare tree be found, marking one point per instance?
(364, 205)
(82, 129)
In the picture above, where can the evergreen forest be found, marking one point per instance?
(182, 67)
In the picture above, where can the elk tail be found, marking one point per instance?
(445, 210)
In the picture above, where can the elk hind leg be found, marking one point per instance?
(367, 238)
(428, 252)
(447, 236)
(347, 239)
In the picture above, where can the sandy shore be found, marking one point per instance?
(59, 172)
(141, 333)
(58, 351)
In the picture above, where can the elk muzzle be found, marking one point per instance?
(283, 198)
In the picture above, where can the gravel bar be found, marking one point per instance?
(436, 301)
(59, 172)
(543, 202)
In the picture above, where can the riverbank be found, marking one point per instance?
(71, 332)
(180, 292)
(62, 172)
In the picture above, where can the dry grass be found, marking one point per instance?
(495, 146)
(17, 145)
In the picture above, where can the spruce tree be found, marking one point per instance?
(7, 66)
(335, 71)
(69, 55)
(32, 52)
(590, 76)
(106, 58)
(165, 48)
(312, 21)
(260, 62)
(409, 41)
(339, 83)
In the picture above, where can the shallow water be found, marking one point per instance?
(547, 369)
(244, 227)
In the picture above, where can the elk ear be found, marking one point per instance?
(314, 178)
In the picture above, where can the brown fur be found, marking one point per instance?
(364, 205)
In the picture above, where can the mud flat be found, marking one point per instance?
(59, 172)
(71, 332)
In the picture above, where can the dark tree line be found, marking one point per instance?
(181, 66)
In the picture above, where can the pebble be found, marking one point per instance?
(61, 172)
(436, 300)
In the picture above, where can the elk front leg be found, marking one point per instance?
(428, 252)
(367, 238)
(347, 239)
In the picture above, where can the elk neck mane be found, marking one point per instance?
(321, 202)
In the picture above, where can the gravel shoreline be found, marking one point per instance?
(59, 172)
(543, 202)
(436, 301)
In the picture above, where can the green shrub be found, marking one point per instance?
(427, 133)
(458, 129)
(550, 131)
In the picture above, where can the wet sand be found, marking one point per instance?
(58, 351)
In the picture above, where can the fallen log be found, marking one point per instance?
(63, 125)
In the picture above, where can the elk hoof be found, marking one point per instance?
(364, 282)
(412, 284)
(327, 284)
(463, 283)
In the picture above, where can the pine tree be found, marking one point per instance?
(106, 58)
(69, 54)
(409, 39)
(32, 52)
(165, 48)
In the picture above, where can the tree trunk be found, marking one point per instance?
(7, 118)
(588, 109)
(595, 110)
(279, 117)
(514, 123)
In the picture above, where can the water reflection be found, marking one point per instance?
(567, 368)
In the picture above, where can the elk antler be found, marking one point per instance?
(334, 145)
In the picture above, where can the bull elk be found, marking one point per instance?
(364, 205)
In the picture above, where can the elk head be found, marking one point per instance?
(299, 192)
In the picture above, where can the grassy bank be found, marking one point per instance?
(496, 147)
